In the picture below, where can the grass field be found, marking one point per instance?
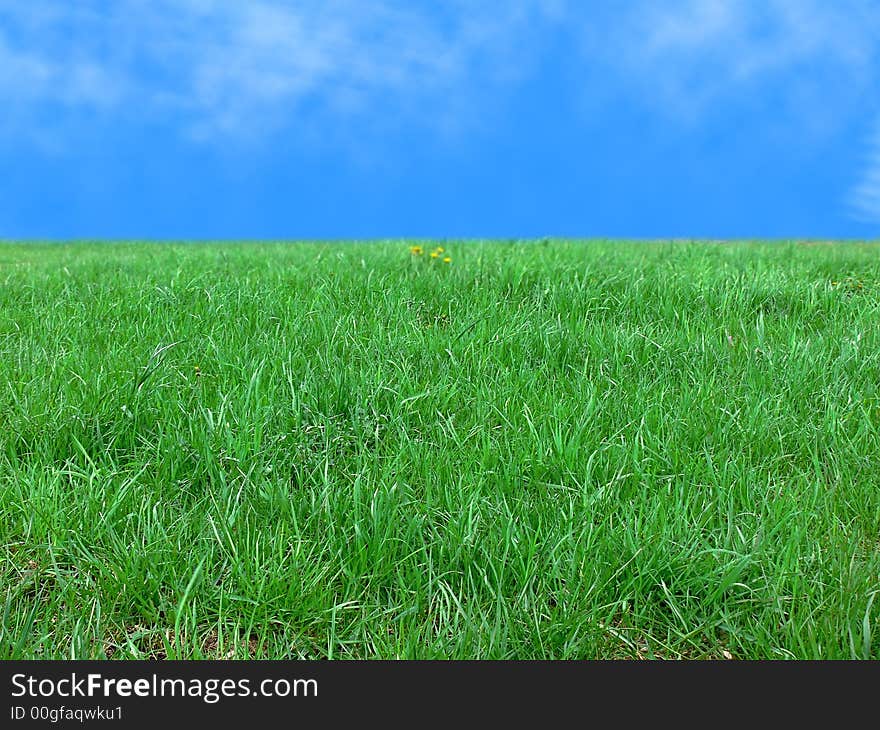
(536, 450)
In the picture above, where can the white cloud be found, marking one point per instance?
(237, 68)
(231, 66)
(864, 200)
(237, 65)
(812, 67)
(26, 76)
(687, 54)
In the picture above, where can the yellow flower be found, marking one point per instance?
(440, 249)
(435, 255)
(416, 250)
(447, 260)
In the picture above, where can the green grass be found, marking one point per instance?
(541, 450)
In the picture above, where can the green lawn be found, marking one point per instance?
(538, 450)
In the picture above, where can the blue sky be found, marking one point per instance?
(393, 118)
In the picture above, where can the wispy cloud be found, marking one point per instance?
(229, 66)
(687, 54)
(221, 69)
(812, 67)
(28, 76)
(224, 66)
(864, 200)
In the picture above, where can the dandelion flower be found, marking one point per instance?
(416, 250)
(447, 260)
(440, 249)
(435, 255)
